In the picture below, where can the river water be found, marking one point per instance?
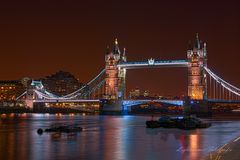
(108, 138)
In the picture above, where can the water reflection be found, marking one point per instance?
(106, 137)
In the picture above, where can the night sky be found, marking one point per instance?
(40, 37)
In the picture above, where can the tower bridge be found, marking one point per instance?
(116, 66)
(110, 83)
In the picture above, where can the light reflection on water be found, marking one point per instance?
(108, 138)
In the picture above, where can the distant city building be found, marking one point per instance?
(61, 83)
(138, 94)
(146, 93)
(26, 81)
(134, 93)
(10, 90)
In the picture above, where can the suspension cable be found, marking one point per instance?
(223, 83)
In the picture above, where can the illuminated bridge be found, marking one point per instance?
(110, 83)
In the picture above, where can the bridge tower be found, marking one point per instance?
(31, 95)
(115, 77)
(197, 80)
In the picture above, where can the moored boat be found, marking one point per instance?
(153, 124)
(62, 129)
(178, 122)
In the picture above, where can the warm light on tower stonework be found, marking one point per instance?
(115, 77)
(197, 58)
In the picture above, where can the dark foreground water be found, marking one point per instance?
(108, 138)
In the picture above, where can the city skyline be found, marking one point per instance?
(40, 38)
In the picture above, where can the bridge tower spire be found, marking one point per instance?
(115, 77)
(197, 80)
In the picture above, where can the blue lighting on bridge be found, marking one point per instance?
(129, 103)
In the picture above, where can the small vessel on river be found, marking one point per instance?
(62, 128)
(187, 122)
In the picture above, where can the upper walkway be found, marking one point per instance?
(153, 63)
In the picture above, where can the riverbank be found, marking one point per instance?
(229, 151)
(8, 110)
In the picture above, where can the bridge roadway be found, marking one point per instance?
(129, 103)
(223, 101)
(153, 63)
(124, 102)
(65, 100)
(142, 101)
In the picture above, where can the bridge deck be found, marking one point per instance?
(223, 101)
(65, 100)
(137, 102)
(131, 102)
